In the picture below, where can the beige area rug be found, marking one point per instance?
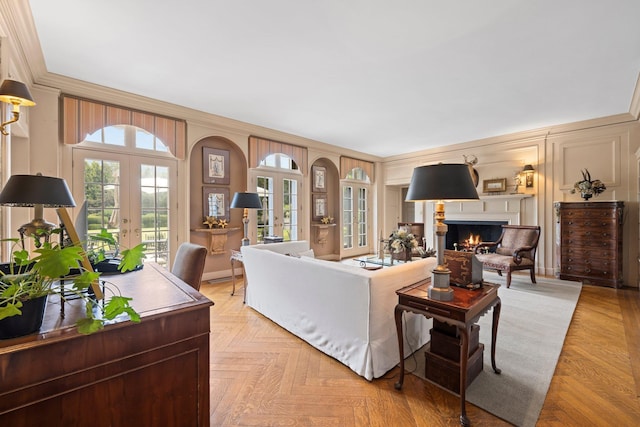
(533, 324)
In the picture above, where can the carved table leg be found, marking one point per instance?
(494, 335)
(398, 316)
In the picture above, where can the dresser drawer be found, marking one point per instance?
(578, 240)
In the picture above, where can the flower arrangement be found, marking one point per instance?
(587, 187)
(401, 241)
(213, 222)
(327, 220)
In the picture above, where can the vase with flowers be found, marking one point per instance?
(401, 243)
(588, 187)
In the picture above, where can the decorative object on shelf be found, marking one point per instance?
(587, 187)
(215, 166)
(212, 222)
(246, 201)
(319, 206)
(498, 185)
(471, 162)
(319, 179)
(17, 94)
(215, 202)
(327, 220)
(439, 183)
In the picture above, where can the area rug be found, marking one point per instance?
(533, 324)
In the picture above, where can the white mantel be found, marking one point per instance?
(508, 207)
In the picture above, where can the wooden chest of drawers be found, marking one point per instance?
(589, 242)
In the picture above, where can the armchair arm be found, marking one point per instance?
(517, 257)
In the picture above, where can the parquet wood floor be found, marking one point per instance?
(261, 375)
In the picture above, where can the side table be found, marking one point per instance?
(462, 313)
(236, 256)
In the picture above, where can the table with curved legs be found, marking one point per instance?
(462, 312)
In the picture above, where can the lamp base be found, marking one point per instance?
(440, 289)
(245, 242)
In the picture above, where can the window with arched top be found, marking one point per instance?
(278, 183)
(356, 203)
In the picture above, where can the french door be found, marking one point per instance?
(130, 196)
(355, 220)
(279, 193)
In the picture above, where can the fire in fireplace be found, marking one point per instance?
(466, 235)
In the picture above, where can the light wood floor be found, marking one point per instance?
(261, 375)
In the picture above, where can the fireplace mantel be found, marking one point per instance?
(502, 207)
(506, 196)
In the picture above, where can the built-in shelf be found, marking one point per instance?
(322, 232)
(217, 238)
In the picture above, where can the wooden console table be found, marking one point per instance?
(464, 311)
(155, 372)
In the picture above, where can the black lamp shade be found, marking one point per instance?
(441, 182)
(31, 190)
(528, 168)
(246, 200)
(14, 92)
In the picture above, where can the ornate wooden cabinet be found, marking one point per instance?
(589, 242)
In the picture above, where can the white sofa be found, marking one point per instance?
(342, 310)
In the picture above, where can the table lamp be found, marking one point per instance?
(440, 183)
(246, 201)
(40, 192)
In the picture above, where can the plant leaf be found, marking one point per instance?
(118, 305)
(10, 310)
(89, 325)
(54, 262)
(131, 258)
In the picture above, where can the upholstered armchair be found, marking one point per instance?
(514, 250)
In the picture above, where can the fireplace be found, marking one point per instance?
(465, 235)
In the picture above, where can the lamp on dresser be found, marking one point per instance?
(246, 201)
(440, 183)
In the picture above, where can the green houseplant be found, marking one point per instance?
(36, 276)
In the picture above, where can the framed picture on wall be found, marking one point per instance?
(494, 185)
(215, 166)
(215, 202)
(319, 179)
(319, 206)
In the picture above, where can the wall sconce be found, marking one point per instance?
(528, 174)
(17, 94)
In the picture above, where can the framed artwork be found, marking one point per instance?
(498, 185)
(215, 166)
(215, 202)
(319, 206)
(319, 179)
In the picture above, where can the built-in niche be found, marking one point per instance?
(218, 169)
(325, 205)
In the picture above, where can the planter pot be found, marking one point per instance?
(402, 256)
(27, 323)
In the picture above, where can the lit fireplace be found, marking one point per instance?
(466, 235)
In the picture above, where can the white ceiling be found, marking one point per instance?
(378, 76)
